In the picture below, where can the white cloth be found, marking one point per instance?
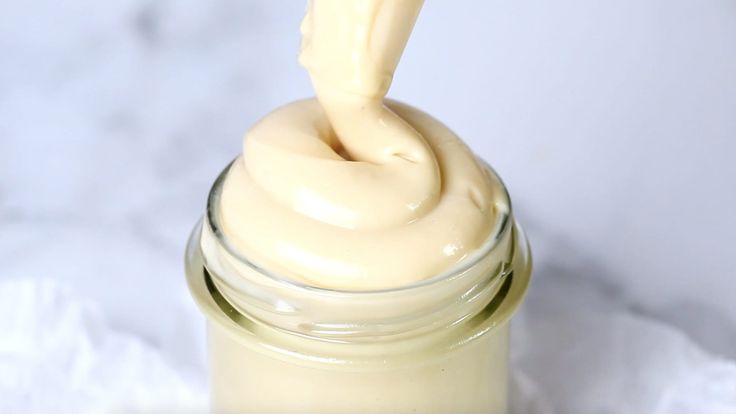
(58, 355)
(574, 350)
(577, 349)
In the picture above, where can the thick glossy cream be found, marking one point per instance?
(354, 192)
(348, 190)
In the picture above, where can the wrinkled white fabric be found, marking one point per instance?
(578, 349)
(574, 351)
(58, 355)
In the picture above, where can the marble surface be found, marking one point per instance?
(612, 124)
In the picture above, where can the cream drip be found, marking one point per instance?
(347, 190)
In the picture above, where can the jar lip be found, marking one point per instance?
(503, 223)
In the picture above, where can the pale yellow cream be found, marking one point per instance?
(347, 190)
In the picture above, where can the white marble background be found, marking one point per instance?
(613, 124)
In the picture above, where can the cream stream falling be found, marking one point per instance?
(349, 190)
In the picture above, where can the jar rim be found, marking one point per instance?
(502, 224)
(503, 297)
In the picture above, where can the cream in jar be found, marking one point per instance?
(346, 190)
(358, 256)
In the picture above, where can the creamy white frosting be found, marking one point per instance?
(348, 190)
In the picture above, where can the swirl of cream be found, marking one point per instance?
(348, 191)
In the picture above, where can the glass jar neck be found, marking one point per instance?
(476, 295)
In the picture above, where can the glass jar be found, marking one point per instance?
(436, 346)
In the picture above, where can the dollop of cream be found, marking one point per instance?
(349, 190)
